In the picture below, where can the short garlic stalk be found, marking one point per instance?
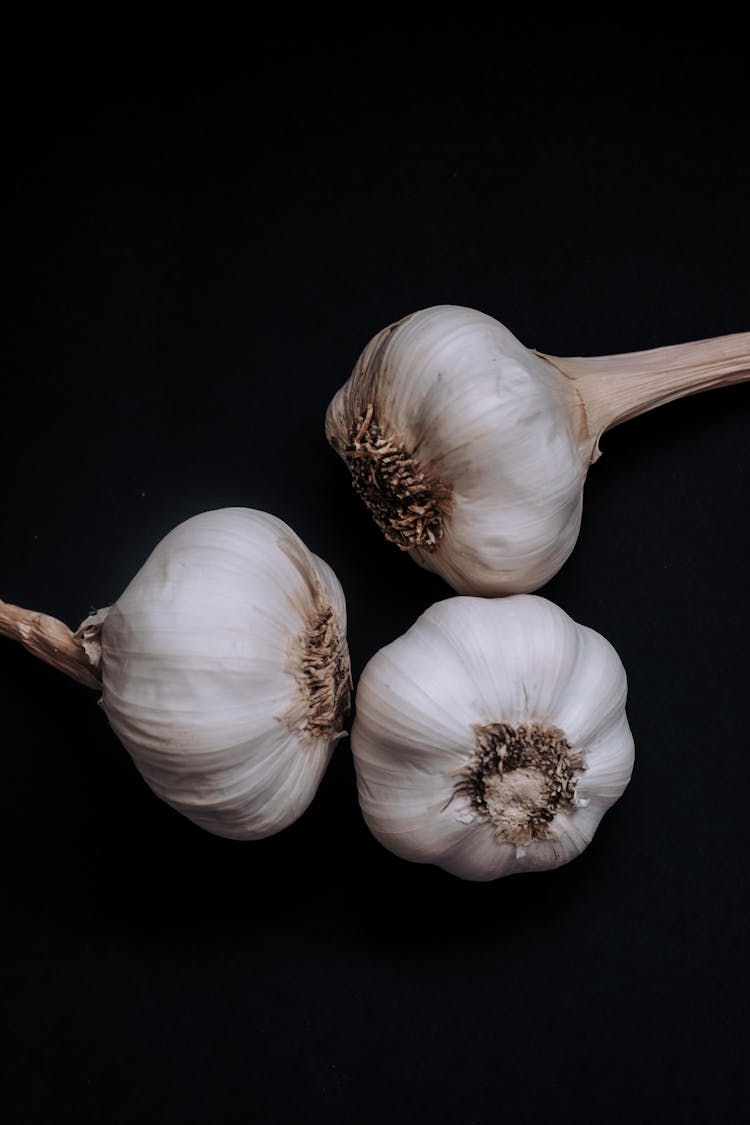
(223, 666)
(471, 450)
(491, 737)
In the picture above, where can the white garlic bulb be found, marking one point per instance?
(491, 737)
(224, 669)
(471, 450)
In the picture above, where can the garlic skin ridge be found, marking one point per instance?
(471, 450)
(514, 672)
(225, 671)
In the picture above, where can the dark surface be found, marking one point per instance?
(199, 241)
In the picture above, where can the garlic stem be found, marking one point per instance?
(50, 640)
(615, 388)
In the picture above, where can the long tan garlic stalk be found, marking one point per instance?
(471, 450)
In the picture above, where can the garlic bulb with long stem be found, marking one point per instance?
(471, 450)
(223, 666)
(491, 737)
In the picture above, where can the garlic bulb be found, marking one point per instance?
(224, 669)
(471, 450)
(491, 737)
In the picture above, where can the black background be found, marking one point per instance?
(201, 233)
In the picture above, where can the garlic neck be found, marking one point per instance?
(51, 641)
(614, 388)
(520, 778)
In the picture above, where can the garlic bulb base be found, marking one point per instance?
(521, 777)
(408, 504)
(324, 676)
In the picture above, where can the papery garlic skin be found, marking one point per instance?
(225, 671)
(486, 424)
(472, 665)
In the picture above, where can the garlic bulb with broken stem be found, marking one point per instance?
(224, 669)
(491, 737)
(471, 450)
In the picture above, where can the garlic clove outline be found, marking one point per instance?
(491, 737)
(471, 450)
(224, 669)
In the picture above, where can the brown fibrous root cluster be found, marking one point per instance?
(326, 675)
(408, 505)
(521, 776)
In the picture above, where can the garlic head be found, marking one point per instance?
(491, 737)
(225, 671)
(471, 450)
(464, 446)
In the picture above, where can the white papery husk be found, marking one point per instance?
(200, 661)
(494, 423)
(468, 662)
